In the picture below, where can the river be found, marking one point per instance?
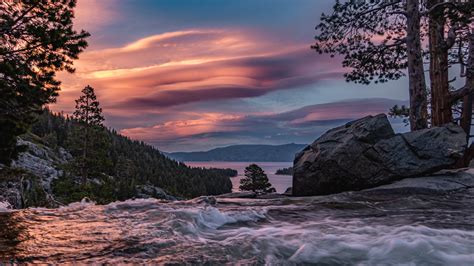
(344, 229)
(279, 182)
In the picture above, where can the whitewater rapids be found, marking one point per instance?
(349, 228)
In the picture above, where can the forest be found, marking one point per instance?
(121, 164)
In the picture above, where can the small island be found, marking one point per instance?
(285, 171)
(229, 172)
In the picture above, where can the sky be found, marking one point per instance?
(188, 75)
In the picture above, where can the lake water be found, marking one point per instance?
(279, 182)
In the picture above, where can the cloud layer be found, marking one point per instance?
(302, 125)
(193, 75)
(195, 65)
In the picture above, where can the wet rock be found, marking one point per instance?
(271, 196)
(210, 200)
(242, 195)
(367, 153)
(440, 182)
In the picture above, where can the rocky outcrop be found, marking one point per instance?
(42, 161)
(27, 182)
(367, 153)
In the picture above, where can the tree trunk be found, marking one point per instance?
(466, 116)
(441, 112)
(417, 83)
(86, 139)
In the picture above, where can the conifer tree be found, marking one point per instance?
(91, 134)
(37, 40)
(255, 180)
(379, 40)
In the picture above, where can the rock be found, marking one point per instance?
(271, 190)
(22, 189)
(208, 200)
(241, 195)
(288, 191)
(441, 182)
(150, 191)
(42, 162)
(367, 153)
(271, 196)
(11, 194)
(27, 182)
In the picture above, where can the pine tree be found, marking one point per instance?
(379, 40)
(90, 133)
(255, 180)
(37, 40)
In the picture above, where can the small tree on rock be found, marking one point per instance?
(255, 180)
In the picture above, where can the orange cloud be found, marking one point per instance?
(200, 60)
(203, 123)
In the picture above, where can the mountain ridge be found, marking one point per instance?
(242, 153)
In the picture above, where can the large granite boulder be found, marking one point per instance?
(367, 153)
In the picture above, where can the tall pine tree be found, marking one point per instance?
(37, 39)
(91, 140)
(379, 40)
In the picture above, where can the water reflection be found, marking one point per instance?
(12, 234)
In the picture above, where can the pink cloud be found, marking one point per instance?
(303, 124)
(94, 14)
(192, 65)
(199, 124)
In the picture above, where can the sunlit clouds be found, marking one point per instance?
(195, 65)
(299, 125)
(187, 81)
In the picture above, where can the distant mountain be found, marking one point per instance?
(242, 153)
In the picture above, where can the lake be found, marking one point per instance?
(279, 182)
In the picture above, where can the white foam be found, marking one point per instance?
(368, 245)
(211, 217)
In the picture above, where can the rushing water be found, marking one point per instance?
(349, 228)
(279, 182)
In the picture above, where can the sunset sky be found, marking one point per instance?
(188, 75)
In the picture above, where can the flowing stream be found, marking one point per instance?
(349, 228)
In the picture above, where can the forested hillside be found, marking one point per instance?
(121, 164)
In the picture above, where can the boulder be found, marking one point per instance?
(239, 195)
(367, 153)
(438, 183)
(150, 191)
